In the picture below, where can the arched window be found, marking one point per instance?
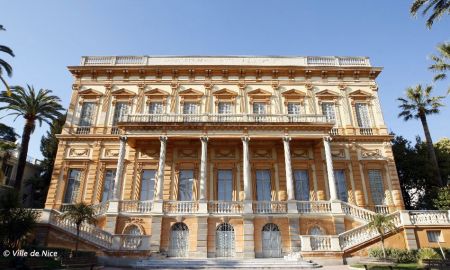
(225, 240)
(132, 229)
(316, 230)
(179, 240)
(271, 241)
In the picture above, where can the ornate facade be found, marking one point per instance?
(226, 156)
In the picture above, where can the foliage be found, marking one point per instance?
(437, 8)
(382, 224)
(419, 103)
(16, 222)
(79, 214)
(4, 66)
(441, 61)
(427, 253)
(442, 202)
(7, 133)
(40, 106)
(395, 254)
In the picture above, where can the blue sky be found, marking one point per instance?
(47, 36)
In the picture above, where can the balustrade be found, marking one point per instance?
(178, 207)
(357, 212)
(320, 242)
(305, 207)
(135, 206)
(365, 131)
(135, 242)
(429, 217)
(225, 207)
(83, 130)
(381, 209)
(272, 207)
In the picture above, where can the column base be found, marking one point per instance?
(292, 207)
(202, 207)
(157, 207)
(336, 207)
(248, 207)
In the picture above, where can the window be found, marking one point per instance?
(108, 185)
(87, 114)
(7, 171)
(328, 111)
(376, 186)
(301, 180)
(147, 185)
(294, 108)
(362, 115)
(316, 230)
(224, 107)
(341, 185)
(263, 187)
(259, 108)
(189, 108)
(224, 185)
(185, 185)
(155, 108)
(120, 109)
(73, 185)
(434, 236)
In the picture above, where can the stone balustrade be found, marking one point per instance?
(134, 242)
(180, 207)
(307, 207)
(429, 217)
(357, 212)
(272, 207)
(135, 206)
(225, 207)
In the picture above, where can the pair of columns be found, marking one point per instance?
(246, 169)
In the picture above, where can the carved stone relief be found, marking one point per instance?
(78, 152)
(262, 153)
(300, 153)
(149, 153)
(111, 153)
(224, 153)
(371, 154)
(338, 153)
(187, 153)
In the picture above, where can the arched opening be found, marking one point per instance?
(316, 230)
(271, 241)
(225, 240)
(179, 240)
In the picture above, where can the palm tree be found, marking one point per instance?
(439, 8)
(40, 106)
(442, 61)
(382, 224)
(4, 65)
(418, 104)
(78, 214)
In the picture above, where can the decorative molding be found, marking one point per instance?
(224, 153)
(371, 154)
(262, 153)
(187, 153)
(78, 152)
(300, 153)
(111, 153)
(338, 153)
(149, 153)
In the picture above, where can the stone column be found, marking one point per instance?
(292, 208)
(159, 189)
(120, 164)
(247, 177)
(203, 168)
(330, 171)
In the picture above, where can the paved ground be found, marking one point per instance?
(335, 267)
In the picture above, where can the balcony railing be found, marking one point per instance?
(180, 207)
(429, 217)
(320, 242)
(382, 209)
(305, 207)
(365, 131)
(270, 207)
(83, 130)
(135, 206)
(223, 118)
(225, 207)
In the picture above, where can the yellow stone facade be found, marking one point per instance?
(248, 116)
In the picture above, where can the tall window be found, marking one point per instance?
(259, 108)
(147, 185)
(341, 185)
(87, 114)
(294, 108)
(108, 185)
(7, 171)
(376, 186)
(362, 115)
(185, 185)
(155, 108)
(224, 107)
(301, 185)
(263, 187)
(189, 108)
(73, 185)
(120, 109)
(328, 111)
(224, 185)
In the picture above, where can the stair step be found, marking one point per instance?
(224, 263)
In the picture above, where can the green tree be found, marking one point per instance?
(16, 222)
(441, 62)
(438, 8)
(40, 106)
(79, 214)
(7, 133)
(418, 104)
(442, 202)
(4, 66)
(382, 224)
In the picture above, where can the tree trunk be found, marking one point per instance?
(382, 247)
(27, 130)
(76, 241)
(431, 152)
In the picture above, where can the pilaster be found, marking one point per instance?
(249, 240)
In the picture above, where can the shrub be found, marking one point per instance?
(395, 254)
(427, 253)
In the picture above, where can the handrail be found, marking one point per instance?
(356, 211)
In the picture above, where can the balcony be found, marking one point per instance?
(270, 207)
(225, 207)
(140, 207)
(223, 118)
(313, 207)
(180, 207)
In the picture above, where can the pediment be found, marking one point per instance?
(190, 92)
(327, 93)
(122, 92)
(294, 93)
(359, 94)
(156, 92)
(90, 92)
(259, 92)
(224, 92)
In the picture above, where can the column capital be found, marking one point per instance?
(287, 139)
(123, 138)
(245, 139)
(204, 139)
(163, 138)
(327, 138)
